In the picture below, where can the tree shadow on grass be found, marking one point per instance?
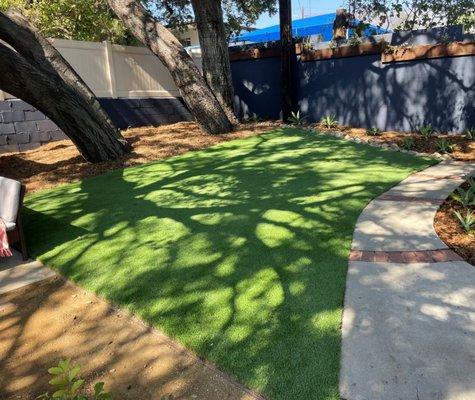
(239, 251)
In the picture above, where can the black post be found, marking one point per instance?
(287, 57)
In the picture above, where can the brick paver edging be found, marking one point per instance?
(405, 257)
(390, 197)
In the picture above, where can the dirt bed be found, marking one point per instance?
(464, 148)
(59, 162)
(449, 230)
(54, 319)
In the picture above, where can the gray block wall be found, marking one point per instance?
(22, 127)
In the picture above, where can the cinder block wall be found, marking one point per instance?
(22, 127)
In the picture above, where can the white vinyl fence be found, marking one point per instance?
(117, 71)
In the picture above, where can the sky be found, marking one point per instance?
(310, 8)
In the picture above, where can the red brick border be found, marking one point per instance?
(457, 177)
(390, 197)
(405, 257)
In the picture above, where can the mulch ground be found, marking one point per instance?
(464, 148)
(59, 162)
(54, 319)
(449, 230)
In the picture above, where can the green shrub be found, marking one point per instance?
(408, 143)
(465, 197)
(67, 384)
(444, 146)
(296, 118)
(329, 121)
(254, 118)
(426, 131)
(469, 134)
(466, 221)
(471, 182)
(373, 132)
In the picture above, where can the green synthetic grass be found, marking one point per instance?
(238, 251)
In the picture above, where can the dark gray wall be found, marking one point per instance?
(257, 87)
(361, 91)
(22, 127)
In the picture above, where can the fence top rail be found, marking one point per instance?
(388, 53)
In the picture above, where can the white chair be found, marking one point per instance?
(11, 201)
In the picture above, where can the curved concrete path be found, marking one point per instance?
(409, 315)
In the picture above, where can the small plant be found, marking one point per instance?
(469, 134)
(444, 146)
(408, 143)
(354, 40)
(329, 121)
(471, 182)
(254, 118)
(67, 384)
(373, 132)
(465, 197)
(333, 44)
(426, 131)
(307, 44)
(296, 119)
(467, 221)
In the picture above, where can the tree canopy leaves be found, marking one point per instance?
(413, 14)
(70, 19)
(237, 13)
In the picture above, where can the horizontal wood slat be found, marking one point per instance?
(363, 49)
(429, 51)
(388, 54)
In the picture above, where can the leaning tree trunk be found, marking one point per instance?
(214, 51)
(197, 95)
(38, 74)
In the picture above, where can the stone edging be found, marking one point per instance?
(369, 142)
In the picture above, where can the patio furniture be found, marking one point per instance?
(11, 200)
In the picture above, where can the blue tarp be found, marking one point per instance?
(318, 25)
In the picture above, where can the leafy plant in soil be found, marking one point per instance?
(408, 143)
(426, 131)
(466, 220)
(373, 132)
(329, 121)
(66, 383)
(296, 118)
(470, 134)
(465, 197)
(444, 146)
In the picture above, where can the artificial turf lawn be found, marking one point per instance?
(238, 251)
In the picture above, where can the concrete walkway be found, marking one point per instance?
(409, 316)
(16, 273)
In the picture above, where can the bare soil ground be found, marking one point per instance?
(59, 162)
(54, 319)
(464, 148)
(449, 230)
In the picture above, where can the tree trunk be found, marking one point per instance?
(215, 53)
(38, 74)
(61, 104)
(187, 77)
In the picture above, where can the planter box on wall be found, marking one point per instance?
(341, 52)
(428, 51)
